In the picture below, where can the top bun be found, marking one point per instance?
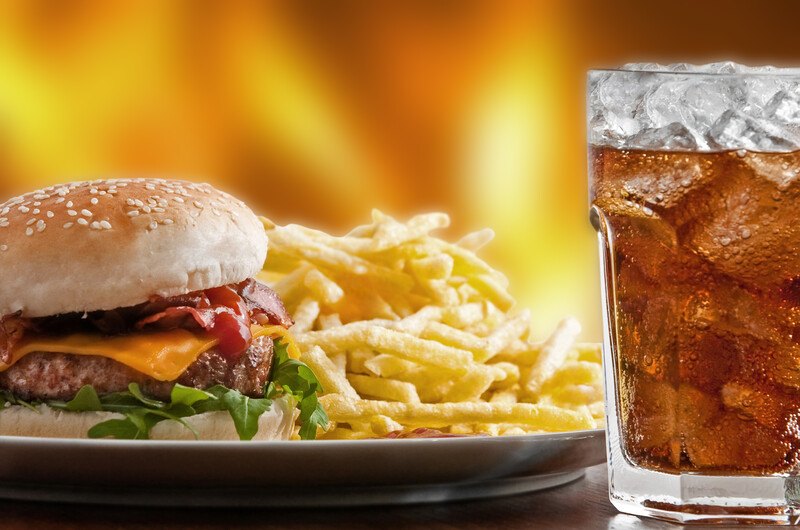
(100, 245)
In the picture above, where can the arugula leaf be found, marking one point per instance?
(123, 429)
(188, 396)
(134, 389)
(245, 412)
(294, 378)
(312, 415)
(86, 399)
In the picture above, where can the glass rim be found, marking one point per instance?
(779, 72)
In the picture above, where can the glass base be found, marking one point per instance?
(707, 499)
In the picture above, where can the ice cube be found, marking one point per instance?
(656, 181)
(737, 130)
(784, 107)
(649, 414)
(670, 137)
(749, 227)
(719, 304)
(741, 428)
(703, 102)
(732, 442)
(780, 169)
(753, 403)
(647, 337)
(648, 243)
(662, 105)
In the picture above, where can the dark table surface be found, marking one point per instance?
(582, 504)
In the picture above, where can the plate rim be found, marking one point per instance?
(226, 444)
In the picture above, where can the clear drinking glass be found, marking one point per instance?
(695, 192)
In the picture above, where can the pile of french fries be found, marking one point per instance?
(405, 330)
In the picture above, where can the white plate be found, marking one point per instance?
(319, 473)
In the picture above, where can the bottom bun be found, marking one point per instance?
(44, 422)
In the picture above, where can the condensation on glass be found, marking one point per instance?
(695, 193)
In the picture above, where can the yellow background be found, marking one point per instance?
(316, 112)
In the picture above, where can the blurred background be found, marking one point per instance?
(316, 112)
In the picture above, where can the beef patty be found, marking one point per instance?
(59, 376)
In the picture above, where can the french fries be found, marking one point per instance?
(406, 330)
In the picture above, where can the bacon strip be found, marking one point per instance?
(225, 312)
(261, 300)
(12, 329)
(180, 317)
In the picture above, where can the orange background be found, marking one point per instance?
(316, 112)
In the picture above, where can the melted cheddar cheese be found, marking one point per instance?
(162, 355)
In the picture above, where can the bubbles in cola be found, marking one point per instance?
(697, 178)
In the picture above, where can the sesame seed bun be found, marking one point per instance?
(100, 245)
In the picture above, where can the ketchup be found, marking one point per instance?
(231, 322)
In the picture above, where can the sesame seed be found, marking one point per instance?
(40, 225)
(3, 248)
(105, 224)
(159, 210)
(4, 222)
(72, 213)
(198, 204)
(96, 225)
(94, 200)
(30, 222)
(146, 209)
(24, 209)
(153, 225)
(167, 221)
(37, 211)
(50, 215)
(86, 213)
(133, 213)
(70, 204)
(93, 191)
(178, 199)
(37, 203)
(130, 202)
(82, 221)
(138, 203)
(29, 231)
(68, 225)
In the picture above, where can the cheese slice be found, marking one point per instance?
(162, 355)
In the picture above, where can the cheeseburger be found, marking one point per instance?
(129, 309)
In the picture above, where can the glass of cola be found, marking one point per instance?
(695, 195)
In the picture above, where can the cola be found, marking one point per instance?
(702, 265)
